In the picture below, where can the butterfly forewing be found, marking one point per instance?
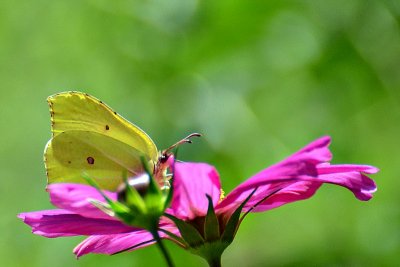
(82, 112)
(90, 138)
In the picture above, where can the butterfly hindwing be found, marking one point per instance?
(70, 155)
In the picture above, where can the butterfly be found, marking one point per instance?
(91, 138)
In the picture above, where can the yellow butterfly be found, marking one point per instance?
(89, 137)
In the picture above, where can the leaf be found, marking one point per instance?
(231, 226)
(211, 225)
(188, 232)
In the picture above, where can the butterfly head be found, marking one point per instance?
(167, 158)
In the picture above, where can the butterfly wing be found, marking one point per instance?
(72, 154)
(84, 128)
(79, 111)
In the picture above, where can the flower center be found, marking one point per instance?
(222, 195)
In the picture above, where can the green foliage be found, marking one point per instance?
(258, 78)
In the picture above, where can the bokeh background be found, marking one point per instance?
(259, 79)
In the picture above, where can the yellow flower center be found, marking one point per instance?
(222, 196)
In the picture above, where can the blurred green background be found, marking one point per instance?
(259, 79)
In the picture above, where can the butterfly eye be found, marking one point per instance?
(164, 158)
(139, 183)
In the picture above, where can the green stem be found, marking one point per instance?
(163, 249)
(214, 261)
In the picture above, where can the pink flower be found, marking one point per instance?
(296, 178)
(78, 216)
(199, 219)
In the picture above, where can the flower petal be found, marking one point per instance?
(350, 176)
(57, 223)
(327, 168)
(75, 198)
(192, 182)
(115, 243)
(346, 175)
(299, 166)
(316, 151)
(283, 194)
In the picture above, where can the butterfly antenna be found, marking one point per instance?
(183, 141)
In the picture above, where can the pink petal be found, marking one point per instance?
(291, 192)
(301, 165)
(316, 151)
(326, 168)
(114, 243)
(192, 182)
(75, 198)
(57, 223)
(350, 176)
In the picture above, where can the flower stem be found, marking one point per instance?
(163, 249)
(214, 262)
